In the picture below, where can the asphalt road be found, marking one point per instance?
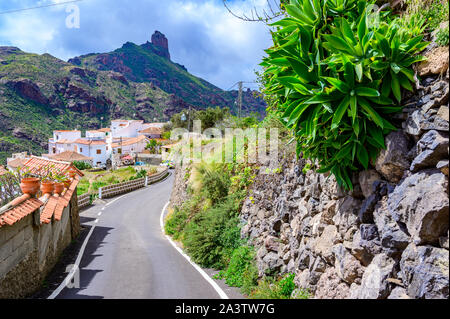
(127, 256)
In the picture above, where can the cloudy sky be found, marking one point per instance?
(202, 35)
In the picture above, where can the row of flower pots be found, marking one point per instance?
(32, 185)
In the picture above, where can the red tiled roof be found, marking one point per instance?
(25, 205)
(56, 204)
(19, 212)
(64, 141)
(105, 130)
(18, 162)
(151, 130)
(36, 163)
(69, 156)
(130, 141)
(89, 142)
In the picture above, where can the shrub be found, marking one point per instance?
(269, 288)
(336, 76)
(442, 36)
(212, 181)
(211, 235)
(82, 165)
(241, 268)
(176, 222)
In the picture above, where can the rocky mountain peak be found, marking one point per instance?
(160, 41)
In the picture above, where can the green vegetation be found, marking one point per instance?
(92, 181)
(432, 12)
(335, 75)
(442, 36)
(82, 165)
(209, 228)
(280, 288)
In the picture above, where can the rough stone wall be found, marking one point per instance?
(388, 238)
(28, 252)
(179, 189)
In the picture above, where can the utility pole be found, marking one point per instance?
(240, 98)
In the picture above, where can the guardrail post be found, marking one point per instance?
(100, 192)
(146, 181)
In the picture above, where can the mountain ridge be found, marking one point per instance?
(41, 93)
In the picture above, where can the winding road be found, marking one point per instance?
(127, 256)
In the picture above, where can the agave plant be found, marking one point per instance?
(336, 78)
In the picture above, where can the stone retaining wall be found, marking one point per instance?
(388, 238)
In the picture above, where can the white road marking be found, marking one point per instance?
(216, 287)
(76, 266)
(100, 214)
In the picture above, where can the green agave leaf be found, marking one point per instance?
(359, 71)
(349, 74)
(362, 27)
(353, 108)
(302, 70)
(280, 62)
(295, 12)
(365, 91)
(338, 43)
(347, 31)
(363, 156)
(284, 22)
(404, 82)
(395, 67)
(374, 116)
(340, 111)
(340, 85)
(396, 87)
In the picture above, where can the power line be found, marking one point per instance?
(39, 7)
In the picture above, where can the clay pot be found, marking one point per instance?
(72, 174)
(67, 184)
(30, 186)
(59, 188)
(47, 187)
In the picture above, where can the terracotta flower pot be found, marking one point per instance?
(47, 187)
(67, 184)
(72, 174)
(30, 186)
(59, 188)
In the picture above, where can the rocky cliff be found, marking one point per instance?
(389, 237)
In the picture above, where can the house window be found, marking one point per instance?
(107, 148)
(99, 151)
(81, 150)
(54, 150)
(119, 151)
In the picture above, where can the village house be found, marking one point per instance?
(125, 137)
(94, 146)
(17, 160)
(132, 145)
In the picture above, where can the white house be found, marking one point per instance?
(62, 141)
(99, 150)
(126, 129)
(131, 145)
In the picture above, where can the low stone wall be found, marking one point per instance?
(125, 187)
(28, 252)
(84, 200)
